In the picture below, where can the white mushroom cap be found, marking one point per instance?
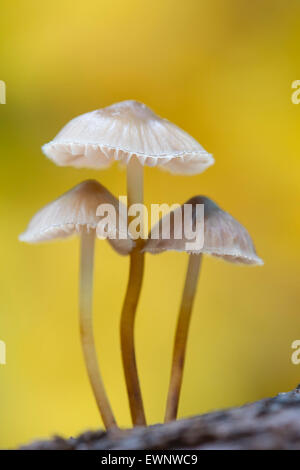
(121, 131)
(72, 213)
(224, 236)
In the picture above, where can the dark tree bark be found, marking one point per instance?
(271, 423)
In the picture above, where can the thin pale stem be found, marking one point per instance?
(86, 327)
(135, 195)
(181, 336)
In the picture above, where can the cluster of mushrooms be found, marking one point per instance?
(131, 133)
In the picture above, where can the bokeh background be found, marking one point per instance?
(220, 69)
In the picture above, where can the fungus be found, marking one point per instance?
(131, 133)
(224, 237)
(75, 213)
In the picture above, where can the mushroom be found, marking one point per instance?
(222, 236)
(131, 133)
(75, 213)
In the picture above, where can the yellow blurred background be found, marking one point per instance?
(220, 69)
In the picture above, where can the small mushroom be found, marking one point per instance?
(224, 237)
(122, 131)
(75, 213)
(131, 133)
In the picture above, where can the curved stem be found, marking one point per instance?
(86, 327)
(135, 195)
(127, 338)
(181, 336)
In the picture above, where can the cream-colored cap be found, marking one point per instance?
(224, 236)
(121, 131)
(72, 213)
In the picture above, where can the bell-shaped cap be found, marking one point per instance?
(224, 236)
(121, 131)
(74, 212)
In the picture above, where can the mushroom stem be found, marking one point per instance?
(181, 336)
(86, 326)
(135, 195)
